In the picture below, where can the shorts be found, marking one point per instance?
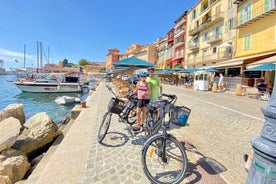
(142, 103)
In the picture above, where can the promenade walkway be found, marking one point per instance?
(218, 134)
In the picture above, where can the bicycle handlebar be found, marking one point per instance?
(172, 98)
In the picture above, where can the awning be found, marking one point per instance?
(176, 60)
(271, 59)
(228, 63)
(242, 60)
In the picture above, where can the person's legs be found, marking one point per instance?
(144, 111)
(138, 116)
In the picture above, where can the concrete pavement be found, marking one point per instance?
(218, 135)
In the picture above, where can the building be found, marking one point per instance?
(179, 42)
(161, 45)
(95, 67)
(211, 36)
(169, 49)
(112, 56)
(256, 32)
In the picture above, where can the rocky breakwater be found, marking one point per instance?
(21, 141)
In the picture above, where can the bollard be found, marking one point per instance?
(263, 168)
(238, 90)
(215, 88)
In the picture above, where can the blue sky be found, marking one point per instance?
(81, 29)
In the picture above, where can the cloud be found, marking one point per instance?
(8, 55)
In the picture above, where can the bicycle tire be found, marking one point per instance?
(176, 160)
(131, 116)
(104, 126)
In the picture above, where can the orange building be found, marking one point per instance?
(112, 56)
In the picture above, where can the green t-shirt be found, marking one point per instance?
(154, 83)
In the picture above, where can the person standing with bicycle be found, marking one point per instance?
(143, 91)
(155, 85)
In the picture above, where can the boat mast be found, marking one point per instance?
(37, 52)
(24, 56)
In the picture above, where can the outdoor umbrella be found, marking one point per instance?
(263, 67)
(159, 72)
(133, 62)
(211, 69)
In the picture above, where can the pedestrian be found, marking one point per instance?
(221, 82)
(155, 85)
(143, 91)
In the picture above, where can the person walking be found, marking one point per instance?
(143, 91)
(155, 84)
(221, 82)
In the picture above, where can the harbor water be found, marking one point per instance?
(35, 102)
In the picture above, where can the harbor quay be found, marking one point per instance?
(217, 135)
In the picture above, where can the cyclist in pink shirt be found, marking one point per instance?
(143, 92)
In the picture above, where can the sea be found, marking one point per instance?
(36, 102)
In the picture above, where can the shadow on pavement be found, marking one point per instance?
(115, 139)
(201, 168)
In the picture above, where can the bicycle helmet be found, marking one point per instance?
(150, 68)
(144, 73)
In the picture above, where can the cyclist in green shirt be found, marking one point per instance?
(155, 85)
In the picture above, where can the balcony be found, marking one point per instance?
(237, 1)
(194, 31)
(257, 14)
(207, 23)
(214, 38)
(194, 46)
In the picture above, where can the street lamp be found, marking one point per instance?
(263, 168)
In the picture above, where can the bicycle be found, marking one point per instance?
(125, 110)
(164, 150)
(153, 123)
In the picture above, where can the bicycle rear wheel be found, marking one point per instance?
(104, 126)
(164, 160)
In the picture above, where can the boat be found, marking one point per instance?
(49, 85)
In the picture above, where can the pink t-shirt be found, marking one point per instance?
(142, 90)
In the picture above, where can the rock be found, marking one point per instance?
(9, 131)
(13, 166)
(40, 130)
(13, 110)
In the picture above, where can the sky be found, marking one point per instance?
(81, 29)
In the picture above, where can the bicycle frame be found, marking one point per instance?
(155, 126)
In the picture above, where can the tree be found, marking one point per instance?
(83, 62)
(65, 62)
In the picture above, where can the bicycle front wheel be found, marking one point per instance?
(104, 126)
(131, 116)
(164, 160)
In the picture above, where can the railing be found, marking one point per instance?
(210, 21)
(214, 38)
(237, 1)
(193, 45)
(257, 13)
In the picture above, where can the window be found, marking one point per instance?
(245, 13)
(204, 56)
(206, 36)
(269, 4)
(247, 42)
(214, 50)
(231, 23)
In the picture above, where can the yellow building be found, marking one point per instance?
(256, 30)
(211, 35)
(161, 48)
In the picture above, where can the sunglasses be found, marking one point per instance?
(143, 76)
